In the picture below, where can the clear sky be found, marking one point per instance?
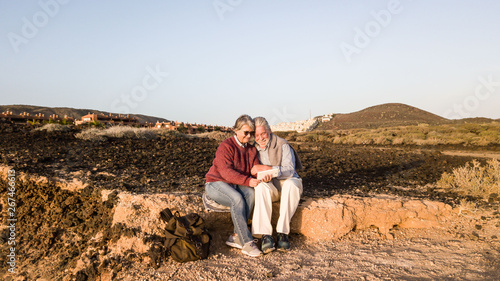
(210, 61)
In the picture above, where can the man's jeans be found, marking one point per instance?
(240, 199)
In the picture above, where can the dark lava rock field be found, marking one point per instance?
(178, 163)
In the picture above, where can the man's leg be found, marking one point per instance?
(291, 190)
(265, 194)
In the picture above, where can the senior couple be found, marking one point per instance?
(232, 182)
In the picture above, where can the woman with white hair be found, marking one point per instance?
(229, 182)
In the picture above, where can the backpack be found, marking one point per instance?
(186, 236)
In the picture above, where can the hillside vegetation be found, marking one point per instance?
(468, 134)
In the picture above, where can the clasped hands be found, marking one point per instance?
(259, 168)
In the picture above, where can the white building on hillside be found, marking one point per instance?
(298, 126)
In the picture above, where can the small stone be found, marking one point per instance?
(478, 227)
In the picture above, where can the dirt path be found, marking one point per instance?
(474, 154)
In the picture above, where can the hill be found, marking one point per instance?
(71, 112)
(384, 115)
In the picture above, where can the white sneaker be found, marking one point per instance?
(250, 249)
(234, 241)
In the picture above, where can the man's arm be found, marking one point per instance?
(287, 168)
(260, 168)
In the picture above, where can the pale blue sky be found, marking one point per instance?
(210, 61)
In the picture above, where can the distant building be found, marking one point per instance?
(39, 117)
(108, 119)
(190, 128)
(170, 125)
(298, 126)
(327, 117)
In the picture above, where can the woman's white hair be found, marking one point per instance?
(242, 121)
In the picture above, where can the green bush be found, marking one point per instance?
(33, 122)
(96, 124)
(182, 129)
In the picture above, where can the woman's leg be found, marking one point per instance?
(227, 195)
(249, 194)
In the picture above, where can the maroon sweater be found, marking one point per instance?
(233, 163)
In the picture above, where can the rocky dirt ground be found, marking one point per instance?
(414, 254)
(58, 225)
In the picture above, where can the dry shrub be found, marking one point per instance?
(474, 179)
(482, 142)
(418, 141)
(90, 134)
(398, 141)
(350, 140)
(382, 140)
(338, 140)
(53, 127)
(324, 138)
(307, 137)
(168, 133)
(415, 136)
(467, 207)
(117, 132)
(454, 141)
(432, 141)
(216, 135)
(359, 141)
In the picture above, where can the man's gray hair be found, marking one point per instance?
(242, 121)
(261, 121)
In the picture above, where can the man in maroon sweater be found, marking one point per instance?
(229, 182)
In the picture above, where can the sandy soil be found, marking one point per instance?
(466, 249)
